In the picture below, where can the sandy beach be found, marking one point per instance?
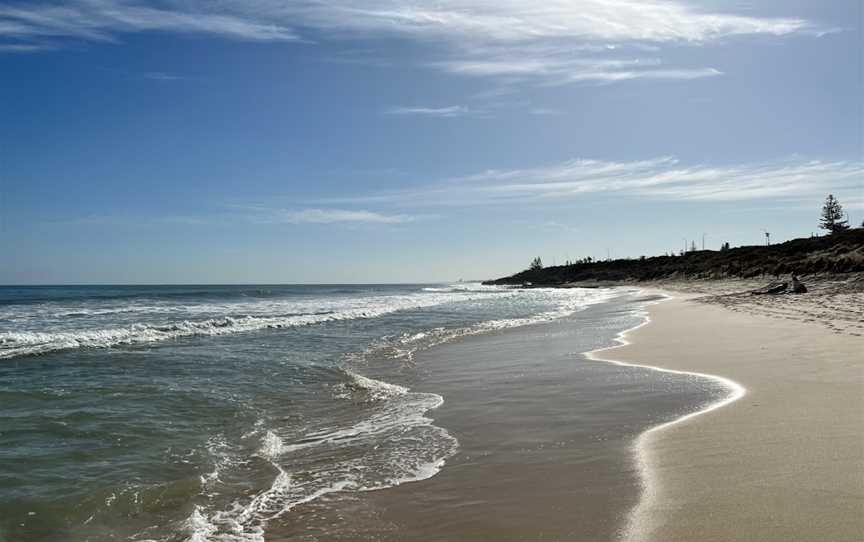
(545, 438)
(513, 432)
(784, 460)
(431, 271)
(751, 429)
(833, 301)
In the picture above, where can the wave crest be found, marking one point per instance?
(395, 443)
(24, 343)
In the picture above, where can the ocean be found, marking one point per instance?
(251, 413)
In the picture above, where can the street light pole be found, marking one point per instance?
(767, 237)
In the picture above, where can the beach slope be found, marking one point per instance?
(783, 461)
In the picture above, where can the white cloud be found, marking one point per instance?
(546, 111)
(667, 178)
(253, 214)
(24, 48)
(330, 216)
(663, 178)
(556, 64)
(528, 20)
(612, 76)
(445, 112)
(553, 41)
(162, 76)
(103, 20)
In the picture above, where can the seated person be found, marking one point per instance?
(797, 286)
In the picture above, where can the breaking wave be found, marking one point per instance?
(272, 425)
(395, 444)
(269, 316)
(404, 346)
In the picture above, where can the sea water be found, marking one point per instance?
(200, 413)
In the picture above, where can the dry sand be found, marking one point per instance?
(833, 301)
(785, 461)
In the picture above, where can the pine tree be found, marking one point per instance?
(536, 264)
(832, 216)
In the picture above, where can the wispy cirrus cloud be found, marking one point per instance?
(249, 214)
(105, 20)
(662, 178)
(546, 111)
(439, 112)
(554, 41)
(162, 76)
(526, 20)
(25, 48)
(324, 216)
(558, 63)
(669, 178)
(558, 68)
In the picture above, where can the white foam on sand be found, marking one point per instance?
(638, 524)
(396, 444)
(407, 345)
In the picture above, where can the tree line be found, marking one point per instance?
(833, 219)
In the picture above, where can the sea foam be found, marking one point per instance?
(267, 315)
(395, 444)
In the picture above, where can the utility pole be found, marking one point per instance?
(685, 245)
(703, 241)
(767, 237)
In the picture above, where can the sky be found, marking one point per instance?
(368, 141)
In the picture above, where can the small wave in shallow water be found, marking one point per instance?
(406, 345)
(396, 443)
(215, 439)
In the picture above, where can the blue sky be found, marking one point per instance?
(379, 141)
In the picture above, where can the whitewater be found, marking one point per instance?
(211, 412)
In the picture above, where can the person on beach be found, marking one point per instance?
(797, 286)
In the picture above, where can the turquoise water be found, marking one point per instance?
(209, 412)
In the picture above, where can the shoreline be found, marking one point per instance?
(648, 482)
(532, 414)
(688, 466)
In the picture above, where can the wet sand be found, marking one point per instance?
(545, 440)
(783, 462)
(559, 445)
